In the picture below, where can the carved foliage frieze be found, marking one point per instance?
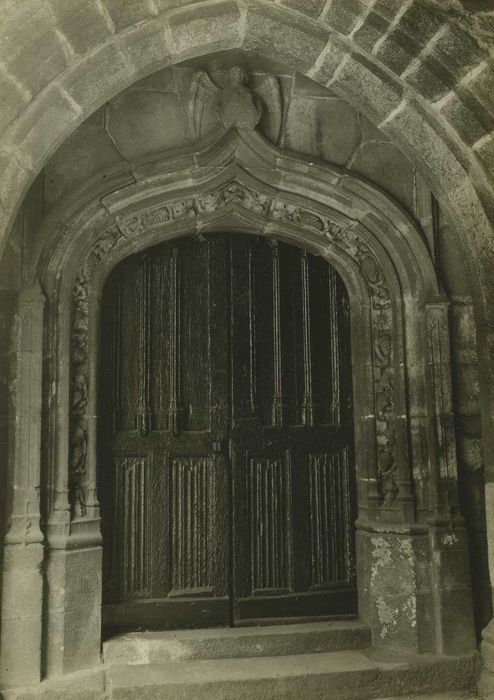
(79, 375)
(346, 237)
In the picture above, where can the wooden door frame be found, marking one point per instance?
(404, 433)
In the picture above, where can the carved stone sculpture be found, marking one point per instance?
(231, 102)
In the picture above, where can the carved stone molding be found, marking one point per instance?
(79, 370)
(273, 208)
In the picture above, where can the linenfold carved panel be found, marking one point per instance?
(270, 524)
(331, 519)
(132, 527)
(345, 237)
(191, 510)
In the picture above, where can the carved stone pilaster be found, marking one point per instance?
(22, 582)
(443, 445)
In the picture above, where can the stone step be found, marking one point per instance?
(233, 643)
(342, 675)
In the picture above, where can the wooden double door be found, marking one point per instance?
(226, 470)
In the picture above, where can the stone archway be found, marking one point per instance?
(408, 515)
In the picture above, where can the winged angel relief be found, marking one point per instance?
(229, 100)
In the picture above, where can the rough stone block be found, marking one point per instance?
(326, 129)
(313, 8)
(285, 36)
(485, 152)
(137, 119)
(421, 21)
(412, 127)
(39, 65)
(83, 22)
(384, 164)
(387, 8)
(125, 14)
(23, 26)
(147, 47)
(215, 26)
(469, 122)
(481, 85)
(14, 179)
(398, 50)
(331, 58)
(430, 79)
(343, 15)
(372, 89)
(98, 77)
(13, 100)
(74, 604)
(457, 50)
(43, 126)
(164, 5)
(88, 151)
(372, 29)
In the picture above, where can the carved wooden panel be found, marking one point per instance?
(270, 526)
(225, 364)
(131, 531)
(331, 526)
(191, 511)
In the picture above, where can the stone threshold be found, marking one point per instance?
(236, 642)
(343, 675)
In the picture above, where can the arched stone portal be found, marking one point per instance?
(408, 519)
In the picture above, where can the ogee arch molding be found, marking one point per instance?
(405, 445)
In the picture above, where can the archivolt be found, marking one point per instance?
(242, 183)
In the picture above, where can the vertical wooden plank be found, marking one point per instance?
(277, 406)
(335, 409)
(143, 412)
(116, 356)
(307, 401)
(174, 409)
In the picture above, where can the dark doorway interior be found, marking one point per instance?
(226, 467)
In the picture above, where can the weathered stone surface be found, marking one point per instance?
(273, 640)
(101, 74)
(430, 78)
(324, 128)
(142, 122)
(44, 126)
(484, 149)
(468, 117)
(147, 45)
(13, 99)
(125, 14)
(74, 602)
(327, 63)
(84, 23)
(457, 50)
(287, 38)
(398, 50)
(215, 26)
(88, 151)
(388, 167)
(343, 15)
(313, 8)
(372, 29)
(374, 93)
(52, 58)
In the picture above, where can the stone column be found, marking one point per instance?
(450, 569)
(486, 364)
(22, 590)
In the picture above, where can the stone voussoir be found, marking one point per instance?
(287, 36)
(215, 25)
